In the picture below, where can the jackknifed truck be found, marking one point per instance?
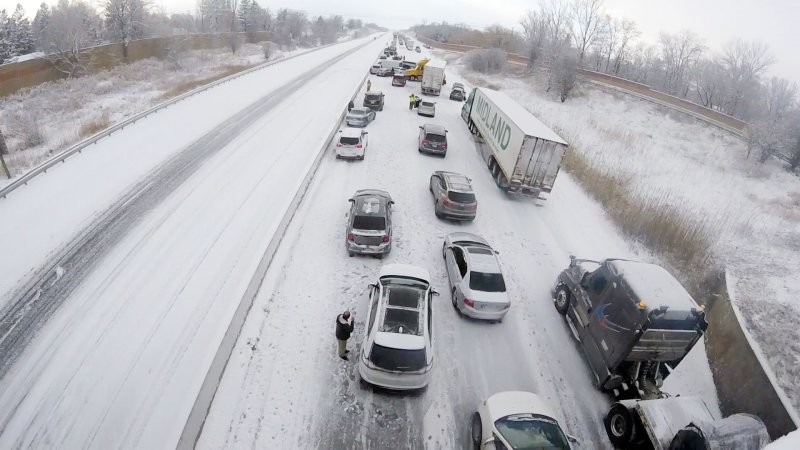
(524, 154)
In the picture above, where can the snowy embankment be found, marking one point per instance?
(750, 210)
(46, 119)
(119, 365)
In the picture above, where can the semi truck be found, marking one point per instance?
(635, 323)
(433, 77)
(524, 154)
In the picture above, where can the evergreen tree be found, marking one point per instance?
(20, 33)
(40, 24)
(5, 41)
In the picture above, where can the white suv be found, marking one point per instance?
(352, 143)
(397, 350)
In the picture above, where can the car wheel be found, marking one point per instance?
(619, 425)
(563, 297)
(351, 254)
(453, 299)
(476, 431)
(379, 256)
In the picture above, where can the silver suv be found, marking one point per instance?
(453, 196)
(369, 223)
(432, 139)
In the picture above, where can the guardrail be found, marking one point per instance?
(196, 420)
(79, 147)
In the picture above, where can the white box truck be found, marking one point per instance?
(433, 77)
(524, 154)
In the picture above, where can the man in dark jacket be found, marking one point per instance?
(344, 326)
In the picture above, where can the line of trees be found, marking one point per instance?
(560, 35)
(64, 30)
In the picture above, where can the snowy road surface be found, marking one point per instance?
(145, 294)
(284, 386)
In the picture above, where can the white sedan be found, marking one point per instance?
(517, 420)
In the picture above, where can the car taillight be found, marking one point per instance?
(358, 145)
(386, 238)
(470, 303)
(445, 145)
(424, 142)
(447, 202)
(350, 237)
(339, 144)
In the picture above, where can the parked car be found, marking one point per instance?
(453, 196)
(352, 144)
(397, 350)
(369, 223)
(418, 50)
(384, 72)
(382, 56)
(359, 117)
(432, 139)
(374, 100)
(477, 286)
(459, 85)
(514, 419)
(399, 79)
(458, 94)
(426, 109)
(374, 68)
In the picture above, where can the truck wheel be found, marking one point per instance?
(619, 425)
(476, 431)
(562, 300)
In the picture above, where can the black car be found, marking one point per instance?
(457, 94)
(374, 100)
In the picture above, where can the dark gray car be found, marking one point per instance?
(374, 100)
(453, 196)
(432, 139)
(369, 223)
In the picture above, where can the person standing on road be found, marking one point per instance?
(350, 106)
(412, 99)
(344, 326)
(369, 85)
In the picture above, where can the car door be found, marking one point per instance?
(459, 271)
(452, 268)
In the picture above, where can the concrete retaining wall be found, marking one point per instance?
(16, 76)
(745, 384)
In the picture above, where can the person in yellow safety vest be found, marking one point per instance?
(412, 99)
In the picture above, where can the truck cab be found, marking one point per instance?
(415, 74)
(634, 320)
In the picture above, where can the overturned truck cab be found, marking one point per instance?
(634, 321)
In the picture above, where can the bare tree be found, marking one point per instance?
(680, 52)
(586, 15)
(744, 62)
(125, 20)
(557, 17)
(628, 33)
(534, 30)
(709, 83)
(71, 30)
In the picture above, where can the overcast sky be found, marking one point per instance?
(717, 21)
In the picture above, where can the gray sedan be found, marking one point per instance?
(360, 117)
(477, 287)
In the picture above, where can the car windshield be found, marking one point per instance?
(396, 359)
(372, 223)
(461, 197)
(487, 282)
(373, 97)
(531, 432)
(427, 104)
(349, 140)
(435, 137)
(358, 112)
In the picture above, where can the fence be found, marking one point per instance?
(16, 76)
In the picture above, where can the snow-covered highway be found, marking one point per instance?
(157, 232)
(284, 386)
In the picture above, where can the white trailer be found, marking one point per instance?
(433, 77)
(525, 155)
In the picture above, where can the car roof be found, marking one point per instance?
(482, 262)
(434, 128)
(405, 270)
(456, 181)
(506, 403)
(351, 132)
(374, 93)
(653, 284)
(360, 110)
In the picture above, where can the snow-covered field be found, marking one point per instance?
(751, 210)
(120, 363)
(284, 386)
(64, 112)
